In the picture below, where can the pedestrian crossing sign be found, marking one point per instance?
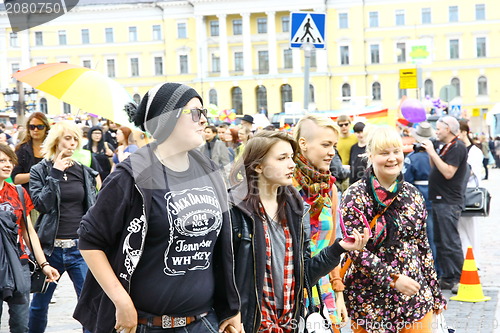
(307, 27)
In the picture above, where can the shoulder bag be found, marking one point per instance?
(477, 201)
(39, 282)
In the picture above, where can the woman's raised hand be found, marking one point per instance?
(63, 160)
(359, 242)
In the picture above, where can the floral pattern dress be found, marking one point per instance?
(370, 300)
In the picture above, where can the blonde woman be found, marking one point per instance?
(391, 285)
(317, 137)
(62, 190)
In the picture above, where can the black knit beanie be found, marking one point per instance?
(154, 113)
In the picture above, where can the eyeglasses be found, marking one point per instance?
(39, 127)
(195, 113)
(344, 125)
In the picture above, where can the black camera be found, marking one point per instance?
(417, 146)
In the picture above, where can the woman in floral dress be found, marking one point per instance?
(391, 285)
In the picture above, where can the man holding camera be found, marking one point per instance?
(446, 191)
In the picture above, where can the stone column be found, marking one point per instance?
(271, 42)
(223, 49)
(247, 45)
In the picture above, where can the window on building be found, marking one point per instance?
(480, 12)
(481, 47)
(261, 97)
(288, 58)
(38, 38)
(346, 92)
(482, 86)
(66, 108)
(62, 37)
(43, 105)
(455, 82)
(286, 95)
(374, 54)
(109, 35)
(453, 13)
(237, 100)
(313, 62)
(110, 64)
(263, 62)
(134, 66)
(181, 30)
(183, 64)
(215, 63)
(311, 94)
(344, 55)
(156, 32)
(132, 34)
(426, 16)
(237, 27)
(87, 64)
(400, 17)
(376, 95)
(401, 92)
(158, 65)
(454, 49)
(429, 88)
(373, 19)
(238, 61)
(401, 52)
(343, 21)
(14, 68)
(214, 28)
(85, 36)
(285, 23)
(262, 25)
(137, 98)
(212, 97)
(13, 39)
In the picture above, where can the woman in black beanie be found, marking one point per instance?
(158, 240)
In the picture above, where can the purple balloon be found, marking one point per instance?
(413, 110)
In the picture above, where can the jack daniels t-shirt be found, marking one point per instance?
(175, 274)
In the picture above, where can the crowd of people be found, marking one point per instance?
(222, 227)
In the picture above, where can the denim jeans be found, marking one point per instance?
(63, 260)
(207, 324)
(19, 313)
(447, 240)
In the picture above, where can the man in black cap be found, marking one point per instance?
(247, 121)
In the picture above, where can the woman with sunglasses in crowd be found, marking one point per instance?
(271, 246)
(391, 285)
(160, 252)
(29, 150)
(100, 149)
(62, 191)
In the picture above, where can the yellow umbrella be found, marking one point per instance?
(82, 87)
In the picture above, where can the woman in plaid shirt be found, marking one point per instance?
(271, 248)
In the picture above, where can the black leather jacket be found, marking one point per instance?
(250, 255)
(46, 197)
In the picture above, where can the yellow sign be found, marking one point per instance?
(476, 112)
(408, 78)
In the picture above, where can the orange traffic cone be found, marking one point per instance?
(470, 289)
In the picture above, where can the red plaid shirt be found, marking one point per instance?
(270, 320)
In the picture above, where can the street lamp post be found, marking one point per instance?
(16, 100)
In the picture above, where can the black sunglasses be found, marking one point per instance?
(195, 113)
(39, 127)
(344, 125)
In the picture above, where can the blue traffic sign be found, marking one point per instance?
(307, 27)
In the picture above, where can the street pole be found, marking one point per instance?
(20, 105)
(307, 47)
